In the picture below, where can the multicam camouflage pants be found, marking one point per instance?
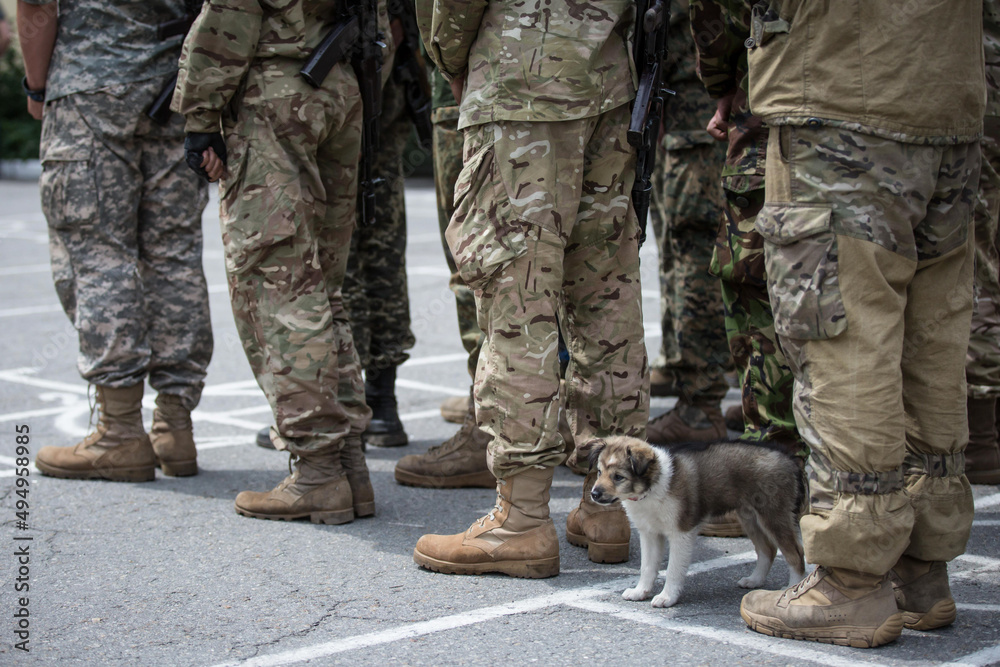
(448, 144)
(288, 205)
(871, 287)
(375, 290)
(687, 213)
(545, 235)
(766, 381)
(124, 216)
(982, 366)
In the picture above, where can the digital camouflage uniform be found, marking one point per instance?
(375, 288)
(123, 210)
(543, 231)
(685, 216)
(288, 205)
(871, 284)
(766, 381)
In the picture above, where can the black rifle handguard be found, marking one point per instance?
(337, 44)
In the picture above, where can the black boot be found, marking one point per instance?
(385, 429)
(264, 438)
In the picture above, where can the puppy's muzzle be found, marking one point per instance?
(598, 495)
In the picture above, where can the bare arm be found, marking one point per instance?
(36, 29)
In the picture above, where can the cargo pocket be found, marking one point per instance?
(483, 235)
(68, 186)
(801, 260)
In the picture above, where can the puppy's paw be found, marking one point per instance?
(666, 599)
(750, 582)
(636, 593)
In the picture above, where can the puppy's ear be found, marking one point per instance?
(638, 461)
(592, 450)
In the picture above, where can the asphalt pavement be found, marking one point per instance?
(166, 573)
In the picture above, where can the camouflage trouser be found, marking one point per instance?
(447, 166)
(545, 235)
(982, 366)
(124, 216)
(689, 202)
(871, 287)
(375, 290)
(288, 205)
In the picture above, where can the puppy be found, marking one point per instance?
(668, 492)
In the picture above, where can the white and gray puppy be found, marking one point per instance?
(669, 492)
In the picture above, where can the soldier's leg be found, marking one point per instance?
(293, 317)
(982, 367)
(694, 204)
(91, 186)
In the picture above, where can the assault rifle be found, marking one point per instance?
(408, 71)
(159, 110)
(652, 19)
(356, 35)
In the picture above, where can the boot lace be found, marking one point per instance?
(496, 506)
(454, 442)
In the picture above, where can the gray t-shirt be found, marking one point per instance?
(102, 43)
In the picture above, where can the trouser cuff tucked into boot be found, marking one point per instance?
(317, 490)
(172, 436)
(516, 538)
(352, 458)
(385, 429)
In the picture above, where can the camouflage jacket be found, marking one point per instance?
(720, 29)
(913, 75)
(229, 35)
(567, 61)
(991, 46)
(101, 43)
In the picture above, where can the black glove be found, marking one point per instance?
(196, 143)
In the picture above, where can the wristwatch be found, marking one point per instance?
(37, 95)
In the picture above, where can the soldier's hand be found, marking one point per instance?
(205, 153)
(718, 127)
(36, 109)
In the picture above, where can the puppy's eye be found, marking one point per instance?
(618, 478)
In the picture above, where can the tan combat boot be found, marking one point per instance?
(727, 525)
(318, 489)
(118, 450)
(982, 456)
(458, 462)
(602, 529)
(172, 437)
(516, 538)
(832, 606)
(453, 408)
(687, 423)
(663, 382)
(922, 593)
(352, 458)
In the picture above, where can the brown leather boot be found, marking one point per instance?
(173, 438)
(727, 525)
(922, 593)
(687, 423)
(663, 383)
(516, 538)
(118, 450)
(453, 409)
(982, 456)
(830, 605)
(352, 458)
(318, 489)
(603, 529)
(458, 462)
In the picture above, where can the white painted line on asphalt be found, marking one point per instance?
(987, 656)
(421, 414)
(968, 606)
(436, 359)
(987, 501)
(747, 640)
(218, 289)
(423, 386)
(981, 561)
(29, 414)
(986, 523)
(6, 473)
(228, 421)
(18, 375)
(718, 563)
(980, 564)
(25, 268)
(30, 310)
(441, 271)
(412, 630)
(8, 460)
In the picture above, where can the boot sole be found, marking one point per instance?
(479, 480)
(178, 468)
(362, 510)
(938, 616)
(111, 474)
(853, 636)
(397, 439)
(329, 518)
(540, 568)
(600, 552)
